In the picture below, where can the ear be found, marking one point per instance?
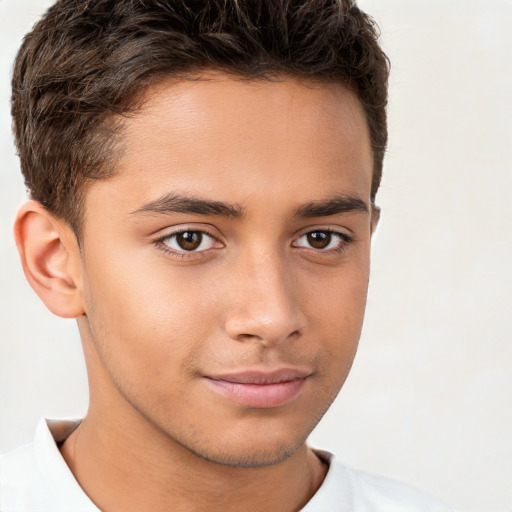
(375, 218)
(50, 256)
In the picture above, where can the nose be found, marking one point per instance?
(265, 305)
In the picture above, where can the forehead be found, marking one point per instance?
(226, 137)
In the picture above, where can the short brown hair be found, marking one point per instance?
(86, 61)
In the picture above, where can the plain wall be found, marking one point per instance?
(429, 399)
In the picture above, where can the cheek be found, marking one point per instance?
(336, 313)
(143, 318)
(338, 301)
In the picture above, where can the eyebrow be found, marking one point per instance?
(333, 206)
(177, 203)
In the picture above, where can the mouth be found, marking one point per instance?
(259, 389)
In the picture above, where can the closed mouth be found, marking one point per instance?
(259, 389)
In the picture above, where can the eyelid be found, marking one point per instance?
(182, 228)
(346, 238)
(337, 230)
(159, 242)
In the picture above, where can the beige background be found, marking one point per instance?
(429, 400)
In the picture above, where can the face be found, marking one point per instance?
(225, 266)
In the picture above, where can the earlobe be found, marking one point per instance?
(50, 257)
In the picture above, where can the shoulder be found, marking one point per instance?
(35, 477)
(21, 480)
(345, 488)
(394, 495)
(15, 464)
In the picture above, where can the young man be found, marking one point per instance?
(203, 179)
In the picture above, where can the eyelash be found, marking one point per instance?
(345, 240)
(182, 255)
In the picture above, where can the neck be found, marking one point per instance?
(125, 463)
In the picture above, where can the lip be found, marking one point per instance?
(259, 389)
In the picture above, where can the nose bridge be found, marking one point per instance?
(267, 304)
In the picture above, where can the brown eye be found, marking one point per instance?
(323, 240)
(189, 240)
(319, 239)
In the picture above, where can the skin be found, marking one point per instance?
(157, 322)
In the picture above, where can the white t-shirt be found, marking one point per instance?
(35, 478)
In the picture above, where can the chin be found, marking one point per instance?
(258, 438)
(249, 457)
(254, 447)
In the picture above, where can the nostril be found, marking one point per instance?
(268, 340)
(249, 337)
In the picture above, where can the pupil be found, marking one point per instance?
(319, 239)
(189, 240)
